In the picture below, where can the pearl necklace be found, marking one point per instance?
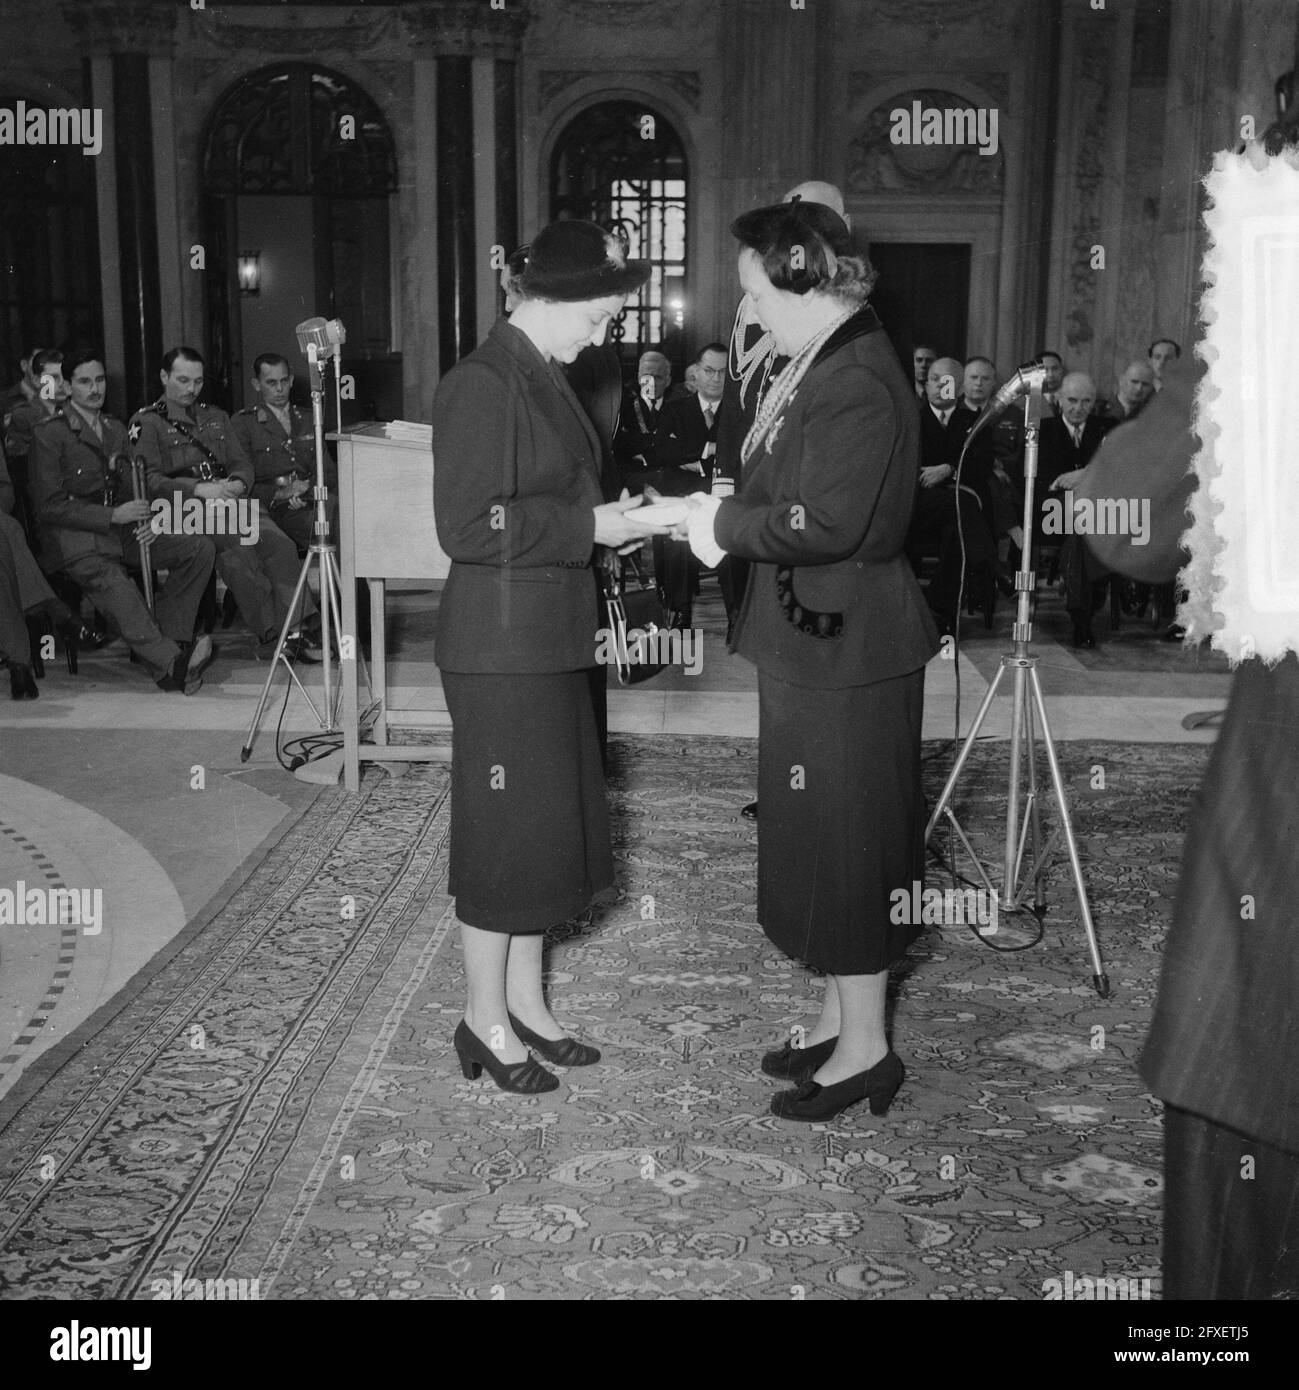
(745, 365)
(784, 386)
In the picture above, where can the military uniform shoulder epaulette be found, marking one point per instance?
(50, 419)
(247, 410)
(159, 408)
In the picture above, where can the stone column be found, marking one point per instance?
(124, 41)
(457, 291)
(771, 119)
(472, 49)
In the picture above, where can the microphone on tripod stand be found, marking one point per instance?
(320, 340)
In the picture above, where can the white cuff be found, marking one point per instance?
(699, 524)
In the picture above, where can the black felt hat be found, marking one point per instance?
(575, 260)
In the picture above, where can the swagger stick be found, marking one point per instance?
(139, 493)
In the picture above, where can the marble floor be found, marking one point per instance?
(145, 797)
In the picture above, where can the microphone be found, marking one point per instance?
(1031, 376)
(318, 340)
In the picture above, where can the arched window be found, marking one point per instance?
(299, 168)
(49, 252)
(620, 163)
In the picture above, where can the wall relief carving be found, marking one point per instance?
(290, 33)
(1092, 65)
(877, 164)
(996, 84)
(126, 26)
(466, 28)
(938, 15)
(554, 81)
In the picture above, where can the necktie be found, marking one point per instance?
(708, 417)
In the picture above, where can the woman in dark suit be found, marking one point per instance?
(520, 511)
(836, 624)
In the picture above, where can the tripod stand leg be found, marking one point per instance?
(1099, 977)
(1035, 814)
(1018, 723)
(289, 618)
(333, 589)
(942, 803)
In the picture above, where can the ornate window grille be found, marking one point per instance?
(299, 129)
(620, 163)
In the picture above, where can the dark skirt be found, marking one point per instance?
(842, 819)
(1227, 1235)
(530, 842)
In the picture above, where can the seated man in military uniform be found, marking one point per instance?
(280, 439)
(191, 452)
(91, 527)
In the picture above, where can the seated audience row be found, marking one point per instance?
(211, 494)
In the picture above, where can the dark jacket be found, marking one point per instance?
(1056, 451)
(681, 438)
(941, 444)
(515, 479)
(633, 446)
(76, 481)
(845, 453)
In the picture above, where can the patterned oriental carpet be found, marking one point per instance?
(278, 1101)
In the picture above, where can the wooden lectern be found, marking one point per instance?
(386, 531)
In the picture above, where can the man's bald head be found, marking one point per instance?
(943, 384)
(1136, 385)
(1077, 395)
(657, 367)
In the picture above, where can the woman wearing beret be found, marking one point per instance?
(520, 511)
(837, 626)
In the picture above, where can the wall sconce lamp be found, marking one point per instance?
(250, 272)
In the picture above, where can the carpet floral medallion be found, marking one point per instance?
(278, 1103)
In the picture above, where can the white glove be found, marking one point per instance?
(699, 523)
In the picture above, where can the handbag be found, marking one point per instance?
(634, 610)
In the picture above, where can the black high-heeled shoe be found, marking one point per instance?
(563, 1052)
(790, 1063)
(812, 1101)
(527, 1078)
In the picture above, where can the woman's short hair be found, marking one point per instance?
(805, 247)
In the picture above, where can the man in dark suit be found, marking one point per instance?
(1135, 388)
(684, 448)
(638, 423)
(941, 506)
(1065, 448)
(922, 358)
(686, 442)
